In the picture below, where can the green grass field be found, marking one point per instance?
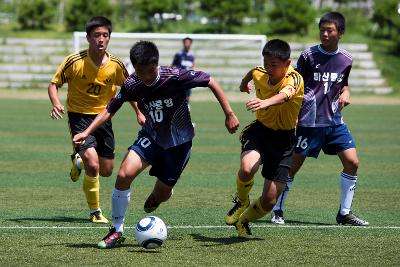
(43, 214)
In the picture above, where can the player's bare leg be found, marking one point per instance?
(161, 193)
(132, 165)
(106, 166)
(297, 162)
(350, 161)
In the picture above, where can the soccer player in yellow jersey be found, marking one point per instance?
(269, 140)
(92, 75)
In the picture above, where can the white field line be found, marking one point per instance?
(212, 227)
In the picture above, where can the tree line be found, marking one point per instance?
(212, 16)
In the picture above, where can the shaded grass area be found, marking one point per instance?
(334, 247)
(35, 190)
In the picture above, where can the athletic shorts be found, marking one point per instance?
(166, 164)
(102, 139)
(274, 146)
(331, 139)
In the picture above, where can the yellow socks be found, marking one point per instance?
(253, 212)
(243, 189)
(91, 187)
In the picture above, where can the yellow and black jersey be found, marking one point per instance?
(90, 88)
(284, 116)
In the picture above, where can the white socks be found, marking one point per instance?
(280, 202)
(119, 203)
(347, 189)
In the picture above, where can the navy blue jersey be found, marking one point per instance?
(183, 60)
(163, 103)
(324, 76)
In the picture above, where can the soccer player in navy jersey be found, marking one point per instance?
(165, 140)
(325, 69)
(184, 59)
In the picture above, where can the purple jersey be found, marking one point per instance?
(324, 76)
(163, 103)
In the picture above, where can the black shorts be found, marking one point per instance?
(274, 146)
(102, 139)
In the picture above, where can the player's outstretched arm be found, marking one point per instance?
(257, 104)
(231, 121)
(100, 119)
(58, 109)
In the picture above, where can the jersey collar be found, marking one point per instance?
(328, 53)
(157, 79)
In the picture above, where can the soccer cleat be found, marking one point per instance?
(243, 229)
(350, 219)
(75, 171)
(97, 217)
(151, 204)
(233, 215)
(277, 217)
(112, 239)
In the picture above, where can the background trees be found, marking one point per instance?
(387, 18)
(218, 16)
(36, 14)
(291, 16)
(77, 12)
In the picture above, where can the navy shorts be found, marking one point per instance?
(274, 146)
(166, 164)
(331, 139)
(102, 139)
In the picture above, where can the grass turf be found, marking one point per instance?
(35, 191)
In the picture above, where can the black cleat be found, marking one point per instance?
(350, 219)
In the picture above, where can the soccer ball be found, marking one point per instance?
(150, 232)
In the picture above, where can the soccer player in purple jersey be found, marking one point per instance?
(325, 69)
(165, 140)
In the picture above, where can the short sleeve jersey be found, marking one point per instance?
(163, 103)
(184, 60)
(325, 74)
(90, 88)
(284, 116)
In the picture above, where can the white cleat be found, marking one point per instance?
(277, 217)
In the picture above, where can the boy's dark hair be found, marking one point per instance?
(187, 38)
(144, 53)
(336, 18)
(98, 21)
(277, 48)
